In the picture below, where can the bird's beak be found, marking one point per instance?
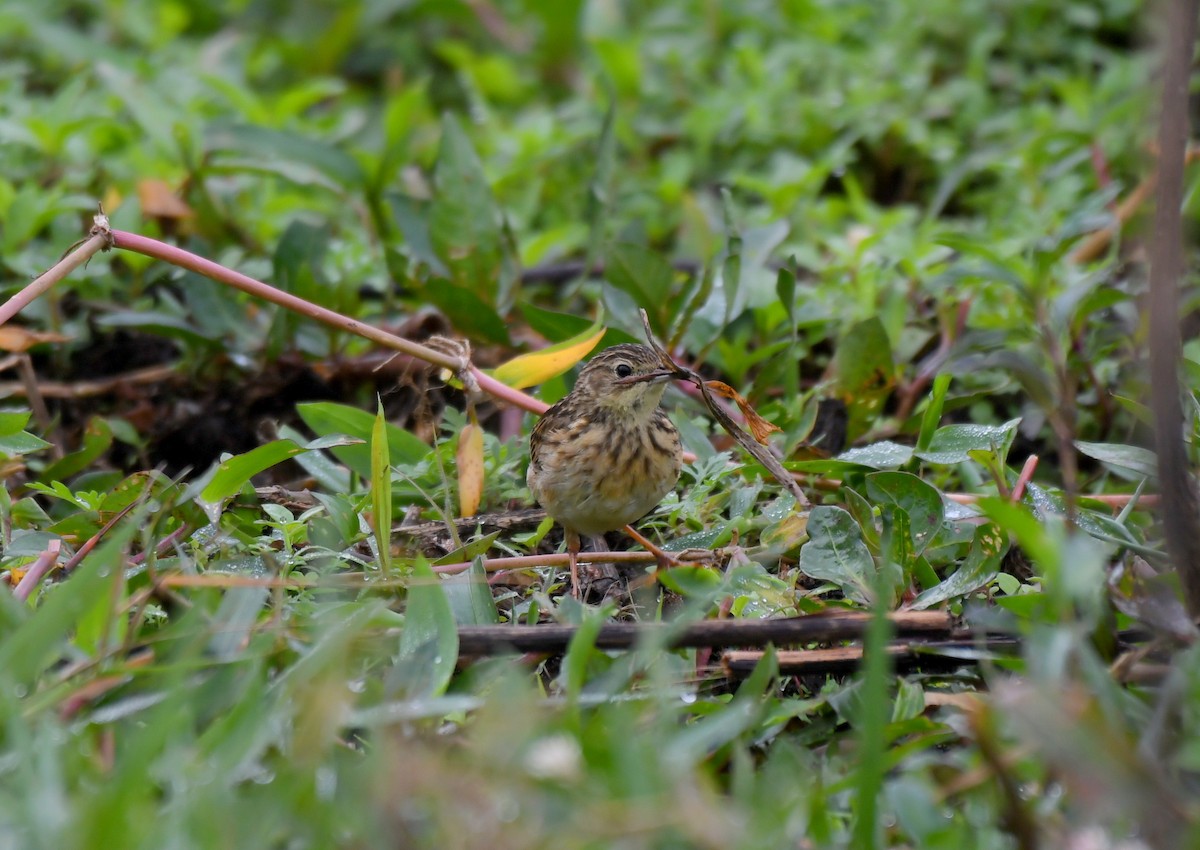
(657, 376)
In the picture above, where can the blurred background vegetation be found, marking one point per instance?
(867, 218)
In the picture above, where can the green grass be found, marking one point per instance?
(823, 202)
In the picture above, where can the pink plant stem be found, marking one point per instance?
(215, 271)
(44, 563)
(1024, 478)
(73, 260)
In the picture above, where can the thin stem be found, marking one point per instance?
(74, 258)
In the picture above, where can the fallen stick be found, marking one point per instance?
(780, 631)
(942, 655)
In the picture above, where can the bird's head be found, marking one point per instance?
(627, 379)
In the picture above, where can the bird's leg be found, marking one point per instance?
(573, 560)
(665, 560)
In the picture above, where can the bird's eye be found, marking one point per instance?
(624, 370)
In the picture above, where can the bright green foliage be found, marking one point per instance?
(835, 207)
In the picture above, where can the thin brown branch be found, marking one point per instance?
(88, 389)
(906, 655)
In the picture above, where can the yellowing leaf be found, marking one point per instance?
(470, 470)
(540, 366)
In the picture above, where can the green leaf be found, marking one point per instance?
(953, 443)
(301, 159)
(411, 218)
(97, 438)
(920, 501)
(785, 288)
(468, 312)
(1133, 461)
(882, 455)
(469, 551)
(981, 565)
(381, 490)
(557, 327)
(21, 443)
(470, 596)
(835, 552)
(12, 421)
(429, 641)
(464, 221)
(933, 411)
(330, 475)
(646, 276)
(235, 473)
(691, 579)
(38, 642)
(328, 418)
(577, 658)
(865, 371)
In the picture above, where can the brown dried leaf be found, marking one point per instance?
(17, 338)
(760, 428)
(159, 201)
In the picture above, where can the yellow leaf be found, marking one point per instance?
(540, 366)
(470, 470)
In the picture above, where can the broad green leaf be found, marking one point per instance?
(324, 469)
(235, 473)
(882, 455)
(328, 418)
(470, 597)
(21, 443)
(952, 443)
(411, 218)
(429, 641)
(690, 579)
(12, 421)
(920, 501)
(835, 552)
(557, 327)
(528, 370)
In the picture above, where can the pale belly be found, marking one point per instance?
(618, 487)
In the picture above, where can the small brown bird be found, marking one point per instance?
(606, 454)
